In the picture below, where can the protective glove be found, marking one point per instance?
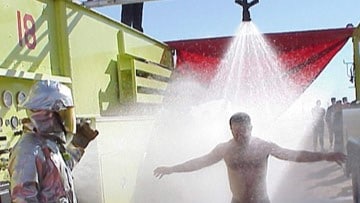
(84, 134)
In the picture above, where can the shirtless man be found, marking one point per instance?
(246, 160)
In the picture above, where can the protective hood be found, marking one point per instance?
(48, 95)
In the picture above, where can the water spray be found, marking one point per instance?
(246, 6)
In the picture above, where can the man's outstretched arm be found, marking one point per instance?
(307, 156)
(192, 165)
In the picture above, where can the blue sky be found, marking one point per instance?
(167, 20)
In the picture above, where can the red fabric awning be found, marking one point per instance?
(304, 54)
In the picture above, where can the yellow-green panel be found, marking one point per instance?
(135, 46)
(121, 153)
(151, 68)
(60, 39)
(126, 74)
(93, 50)
(24, 36)
(356, 45)
(149, 98)
(33, 76)
(12, 93)
(151, 83)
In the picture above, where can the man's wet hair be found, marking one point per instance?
(240, 117)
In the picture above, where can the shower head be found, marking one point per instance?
(246, 6)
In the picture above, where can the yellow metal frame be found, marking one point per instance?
(356, 47)
(138, 70)
(97, 57)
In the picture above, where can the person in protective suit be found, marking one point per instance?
(41, 162)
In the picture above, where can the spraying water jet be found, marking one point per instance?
(246, 6)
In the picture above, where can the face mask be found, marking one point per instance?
(69, 119)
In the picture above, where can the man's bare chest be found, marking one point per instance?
(245, 158)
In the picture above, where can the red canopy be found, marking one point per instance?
(304, 54)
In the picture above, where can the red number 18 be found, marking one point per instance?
(26, 25)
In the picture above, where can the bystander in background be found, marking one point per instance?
(318, 124)
(329, 118)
